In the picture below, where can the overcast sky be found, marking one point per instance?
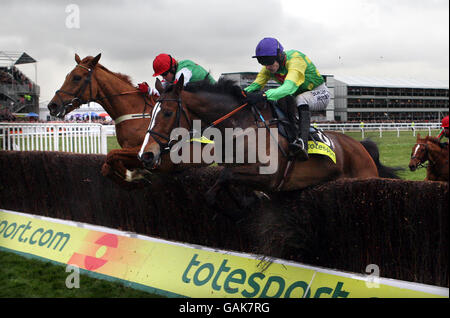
(374, 38)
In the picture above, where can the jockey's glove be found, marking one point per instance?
(256, 98)
(143, 87)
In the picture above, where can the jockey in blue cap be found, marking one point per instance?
(298, 77)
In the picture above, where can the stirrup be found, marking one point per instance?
(298, 150)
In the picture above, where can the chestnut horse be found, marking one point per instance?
(431, 150)
(130, 109)
(179, 107)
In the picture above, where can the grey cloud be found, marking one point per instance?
(222, 35)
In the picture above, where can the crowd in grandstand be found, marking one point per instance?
(13, 76)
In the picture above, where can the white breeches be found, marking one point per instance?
(317, 99)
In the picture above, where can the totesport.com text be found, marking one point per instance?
(26, 234)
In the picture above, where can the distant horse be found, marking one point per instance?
(130, 109)
(429, 149)
(178, 107)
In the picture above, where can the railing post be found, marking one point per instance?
(55, 138)
(103, 140)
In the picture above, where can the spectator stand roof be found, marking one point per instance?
(11, 58)
(392, 82)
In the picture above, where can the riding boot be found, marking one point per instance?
(299, 147)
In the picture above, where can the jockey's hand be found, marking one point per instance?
(255, 98)
(143, 87)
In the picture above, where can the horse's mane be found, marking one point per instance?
(432, 139)
(223, 87)
(121, 76)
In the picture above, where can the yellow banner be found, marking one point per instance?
(177, 269)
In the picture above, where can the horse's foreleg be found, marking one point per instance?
(123, 165)
(246, 175)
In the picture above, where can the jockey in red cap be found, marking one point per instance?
(170, 69)
(444, 131)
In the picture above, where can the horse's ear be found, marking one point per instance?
(180, 84)
(77, 58)
(159, 86)
(95, 60)
(418, 136)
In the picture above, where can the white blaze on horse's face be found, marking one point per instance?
(155, 112)
(415, 150)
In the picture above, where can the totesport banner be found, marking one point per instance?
(182, 270)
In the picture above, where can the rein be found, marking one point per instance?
(167, 146)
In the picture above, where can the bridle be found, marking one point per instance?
(421, 163)
(80, 92)
(77, 95)
(168, 144)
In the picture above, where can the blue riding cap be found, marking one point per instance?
(268, 47)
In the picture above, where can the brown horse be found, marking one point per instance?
(130, 109)
(179, 107)
(431, 150)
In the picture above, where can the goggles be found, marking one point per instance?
(266, 60)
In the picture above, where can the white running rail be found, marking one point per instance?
(380, 127)
(79, 138)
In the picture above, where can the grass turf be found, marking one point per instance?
(21, 277)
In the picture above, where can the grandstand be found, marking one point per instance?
(383, 99)
(375, 99)
(18, 93)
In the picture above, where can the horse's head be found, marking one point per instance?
(77, 89)
(419, 153)
(168, 114)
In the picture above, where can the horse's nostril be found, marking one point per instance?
(147, 157)
(52, 107)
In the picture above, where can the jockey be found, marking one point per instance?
(444, 131)
(298, 77)
(171, 70)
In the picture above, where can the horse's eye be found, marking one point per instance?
(168, 113)
(76, 78)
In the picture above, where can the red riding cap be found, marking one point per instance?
(162, 63)
(445, 122)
